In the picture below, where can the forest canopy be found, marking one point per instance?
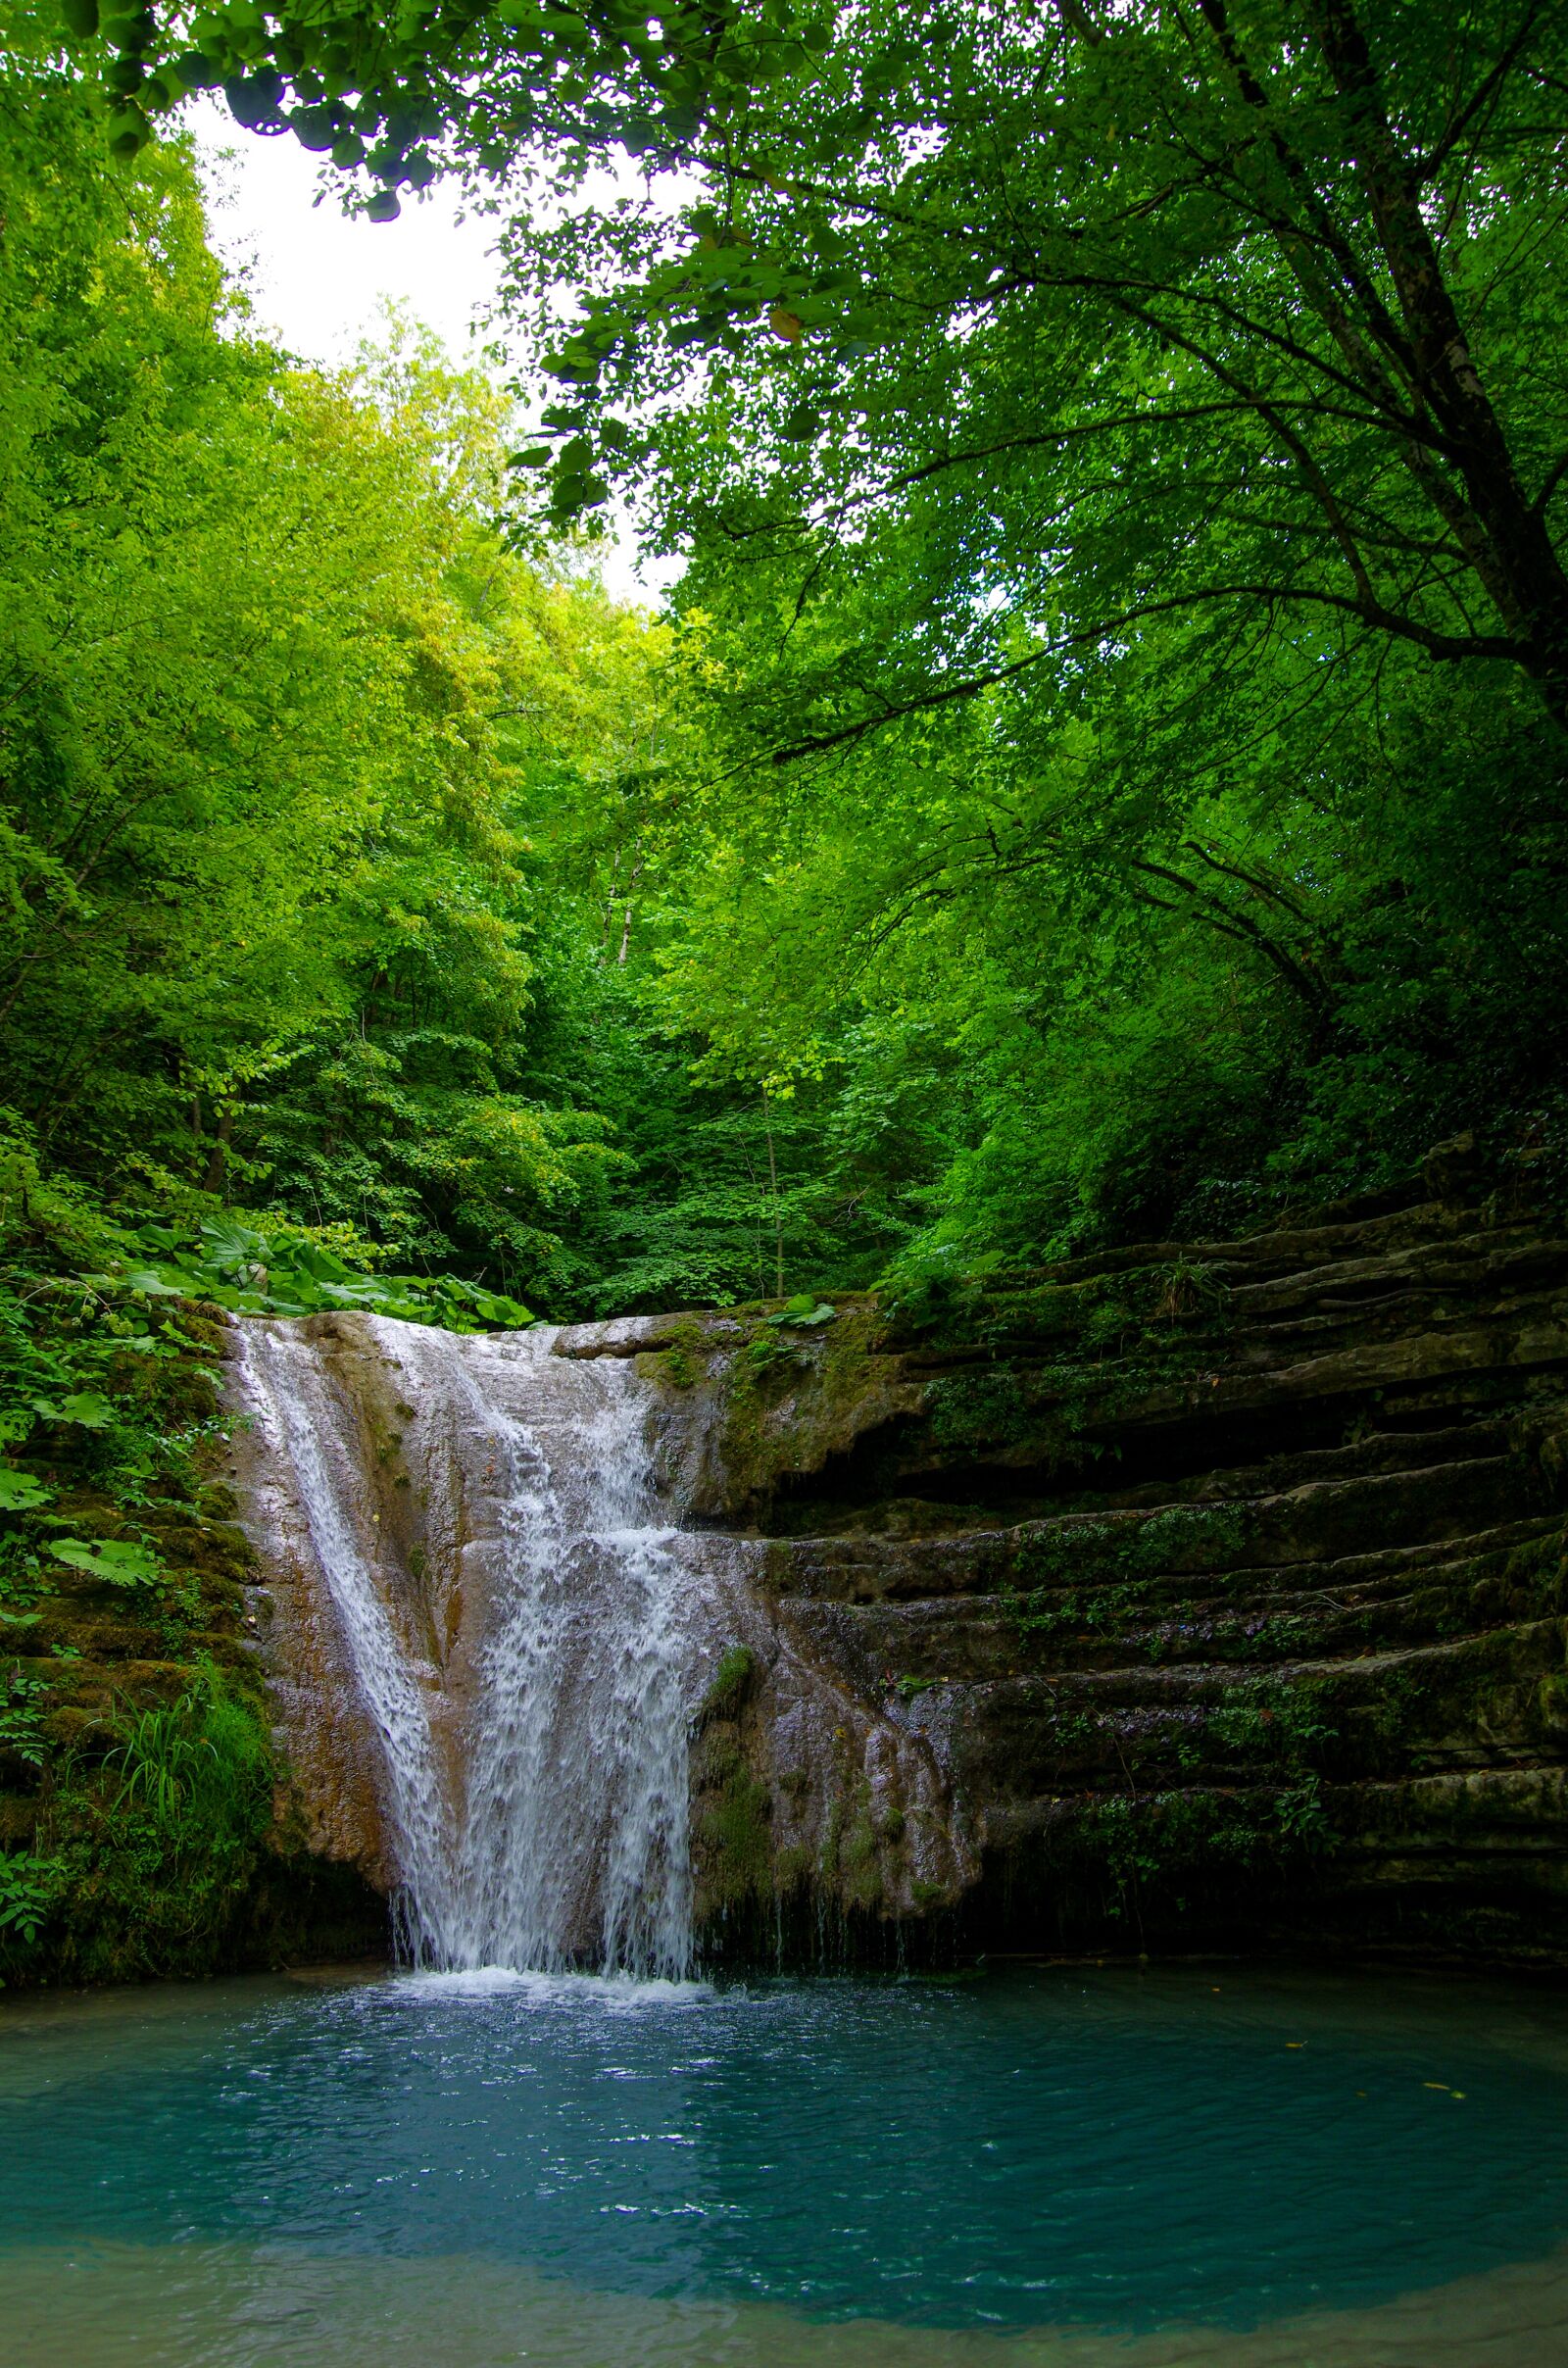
(1100, 772)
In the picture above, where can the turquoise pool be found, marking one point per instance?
(1031, 2165)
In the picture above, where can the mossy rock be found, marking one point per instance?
(735, 1842)
(733, 1684)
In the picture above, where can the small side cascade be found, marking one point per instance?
(471, 1519)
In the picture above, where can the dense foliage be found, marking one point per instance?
(1125, 462)
(320, 804)
(1103, 771)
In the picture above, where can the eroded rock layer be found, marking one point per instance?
(1224, 1582)
(1197, 1596)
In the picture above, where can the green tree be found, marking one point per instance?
(1184, 309)
(1120, 673)
(279, 707)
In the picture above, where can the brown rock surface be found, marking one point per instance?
(1205, 1595)
(1226, 1582)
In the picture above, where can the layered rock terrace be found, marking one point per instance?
(1225, 1581)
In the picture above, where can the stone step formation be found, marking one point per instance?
(1226, 1581)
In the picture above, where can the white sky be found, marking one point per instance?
(319, 279)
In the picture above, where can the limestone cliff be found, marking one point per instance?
(1224, 1582)
(1194, 1596)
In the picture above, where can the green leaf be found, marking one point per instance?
(114, 1560)
(20, 1493)
(803, 1311)
(89, 1408)
(149, 1283)
(28, 1888)
(231, 1246)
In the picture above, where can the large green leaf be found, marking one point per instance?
(90, 1408)
(117, 1562)
(20, 1493)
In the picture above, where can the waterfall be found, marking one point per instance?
(472, 1520)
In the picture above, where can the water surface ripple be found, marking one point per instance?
(1033, 2153)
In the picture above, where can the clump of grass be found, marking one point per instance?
(733, 1680)
(199, 1769)
(155, 1844)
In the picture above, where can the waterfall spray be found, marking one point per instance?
(523, 1642)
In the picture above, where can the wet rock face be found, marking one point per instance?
(821, 1815)
(1195, 1595)
(327, 1744)
(1226, 1584)
(513, 1682)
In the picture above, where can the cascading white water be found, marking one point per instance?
(577, 1777)
(523, 1635)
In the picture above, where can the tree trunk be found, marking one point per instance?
(1526, 578)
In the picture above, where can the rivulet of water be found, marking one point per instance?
(577, 1765)
(522, 1632)
(295, 1400)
